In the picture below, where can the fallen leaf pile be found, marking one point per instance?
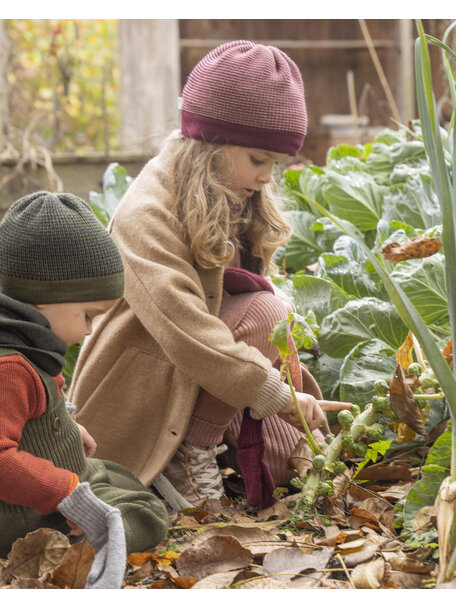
(351, 543)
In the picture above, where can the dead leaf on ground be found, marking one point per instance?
(386, 471)
(264, 582)
(403, 402)
(216, 554)
(219, 580)
(403, 580)
(139, 559)
(403, 563)
(414, 248)
(357, 551)
(38, 552)
(75, 567)
(278, 511)
(287, 562)
(256, 540)
(31, 583)
(184, 582)
(397, 491)
(369, 576)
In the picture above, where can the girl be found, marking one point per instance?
(175, 367)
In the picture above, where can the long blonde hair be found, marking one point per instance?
(202, 205)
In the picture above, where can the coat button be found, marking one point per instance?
(56, 424)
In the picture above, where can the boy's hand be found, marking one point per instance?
(89, 443)
(75, 530)
(313, 411)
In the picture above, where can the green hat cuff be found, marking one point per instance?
(92, 289)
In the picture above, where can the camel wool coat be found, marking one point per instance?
(138, 374)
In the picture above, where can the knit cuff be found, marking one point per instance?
(89, 512)
(273, 396)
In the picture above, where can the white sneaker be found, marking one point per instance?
(194, 472)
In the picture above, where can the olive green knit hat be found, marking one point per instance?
(53, 249)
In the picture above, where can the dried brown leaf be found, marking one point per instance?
(256, 540)
(396, 491)
(139, 559)
(369, 576)
(287, 562)
(448, 352)
(75, 567)
(185, 582)
(416, 247)
(301, 458)
(403, 563)
(219, 580)
(386, 471)
(278, 511)
(31, 583)
(264, 582)
(38, 552)
(403, 402)
(216, 554)
(357, 552)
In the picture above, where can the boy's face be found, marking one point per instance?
(72, 321)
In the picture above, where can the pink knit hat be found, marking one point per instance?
(246, 94)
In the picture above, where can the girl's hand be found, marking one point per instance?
(89, 443)
(313, 411)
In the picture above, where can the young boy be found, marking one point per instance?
(60, 268)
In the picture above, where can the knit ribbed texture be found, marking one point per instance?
(103, 528)
(50, 436)
(246, 94)
(53, 249)
(212, 416)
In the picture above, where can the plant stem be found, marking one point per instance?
(430, 396)
(309, 436)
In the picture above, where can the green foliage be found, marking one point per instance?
(63, 74)
(115, 184)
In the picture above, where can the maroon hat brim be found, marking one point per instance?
(214, 130)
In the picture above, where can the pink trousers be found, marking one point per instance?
(251, 317)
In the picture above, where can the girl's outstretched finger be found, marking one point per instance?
(334, 406)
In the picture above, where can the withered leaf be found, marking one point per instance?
(369, 576)
(301, 458)
(258, 541)
(184, 582)
(448, 352)
(219, 580)
(38, 552)
(357, 552)
(404, 354)
(403, 402)
(139, 559)
(283, 564)
(31, 583)
(390, 471)
(75, 567)
(216, 554)
(417, 247)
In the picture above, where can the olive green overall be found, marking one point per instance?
(56, 437)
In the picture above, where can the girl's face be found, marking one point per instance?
(246, 170)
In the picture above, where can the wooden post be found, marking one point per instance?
(4, 55)
(149, 82)
(406, 73)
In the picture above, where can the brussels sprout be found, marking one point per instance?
(355, 410)
(428, 381)
(359, 449)
(375, 432)
(380, 404)
(347, 442)
(297, 482)
(339, 466)
(329, 437)
(324, 489)
(318, 462)
(345, 419)
(414, 369)
(381, 387)
(322, 446)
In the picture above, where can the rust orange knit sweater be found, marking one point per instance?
(25, 479)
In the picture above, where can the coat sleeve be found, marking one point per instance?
(25, 479)
(163, 288)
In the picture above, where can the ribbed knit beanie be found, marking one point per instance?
(246, 94)
(53, 249)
